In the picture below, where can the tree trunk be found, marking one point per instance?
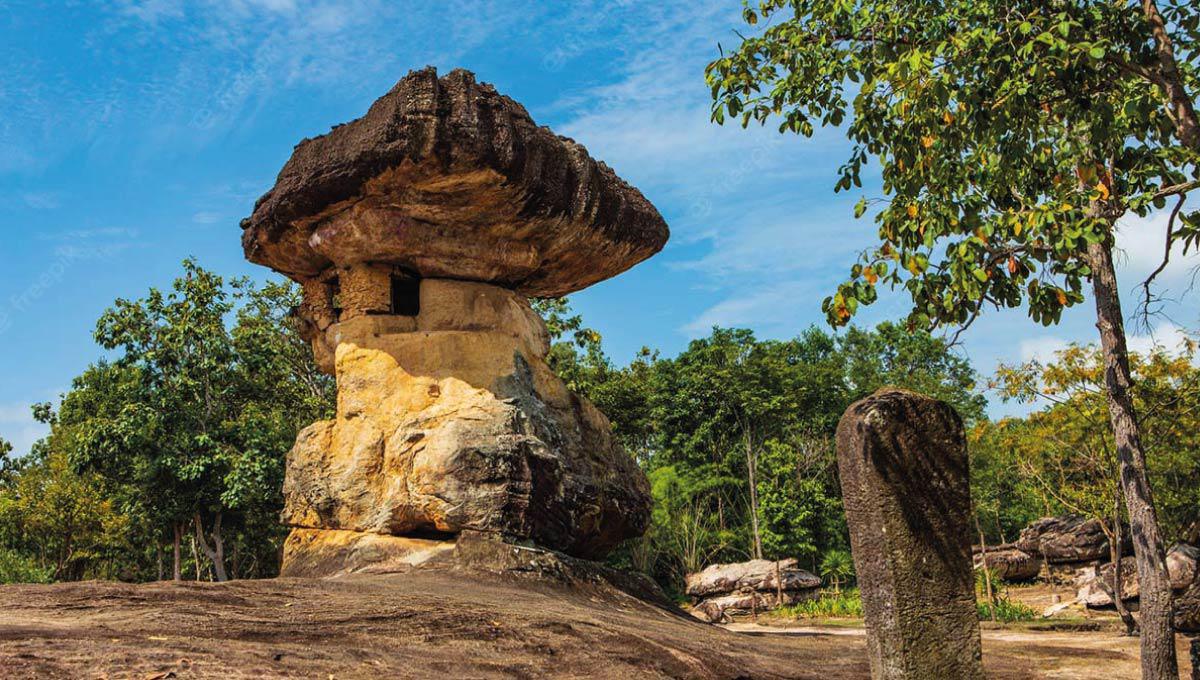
(158, 555)
(751, 474)
(1179, 103)
(215, 552)
(177, 568)
(1114, 550)
(987, 571)
(1154, 585)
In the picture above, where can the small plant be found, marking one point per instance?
(837, 567)
(1006, 610)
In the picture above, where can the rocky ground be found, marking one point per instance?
(447, 623)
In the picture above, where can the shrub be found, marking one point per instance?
(18, 568)
(1006, 611)
(846, 604)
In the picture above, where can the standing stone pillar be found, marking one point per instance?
(902, 459)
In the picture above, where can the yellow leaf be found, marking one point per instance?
(913, 211)
(1062, 297)
(1103, 189)
(927, 141)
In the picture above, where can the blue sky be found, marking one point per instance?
(135, 133)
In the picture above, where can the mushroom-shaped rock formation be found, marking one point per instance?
(418, 232)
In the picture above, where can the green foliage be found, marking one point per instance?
(736, 429)
(837, 567)
(1009, 136)
(61, 522)
(846, 604)
(1061, 458)
(1006, 611)
(17, 567)
(187, 427)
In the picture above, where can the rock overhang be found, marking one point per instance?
(450, 179)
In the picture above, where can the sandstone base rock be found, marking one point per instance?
(452, 421)
(313, 553)
(902, 460)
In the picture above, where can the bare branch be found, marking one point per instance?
(1147, 295)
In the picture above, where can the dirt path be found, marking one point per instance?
(432, 624)
(1055, 654)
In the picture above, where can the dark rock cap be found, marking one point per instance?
(448, 178)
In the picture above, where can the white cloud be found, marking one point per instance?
(1141, 242)
(18, 427)
(207, 217)
(771, 310)
(1042, 348)
(1166, 336)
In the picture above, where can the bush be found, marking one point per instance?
(18, 568)
(847, 604)
(1006, 611)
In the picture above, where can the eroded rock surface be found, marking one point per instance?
(902, 460)
(743, 587)
(1068, 538)
(717, 579)
(1010, 564)
(450, 179)
(441, 431)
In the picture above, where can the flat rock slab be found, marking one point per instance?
(766, 575)
(1068, 539)
(902, 460)
(439, 624)
(450, 179)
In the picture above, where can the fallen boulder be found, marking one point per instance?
(1095, 582)
(718, 608)
(1181, 568)
(1069, 538)
(762, 575)
(1182, 561)
(744, 587)
(1010, 564)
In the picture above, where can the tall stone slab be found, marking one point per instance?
(902, 459)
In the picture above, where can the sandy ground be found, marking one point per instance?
(454, 624)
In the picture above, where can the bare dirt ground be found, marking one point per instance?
(434, 624)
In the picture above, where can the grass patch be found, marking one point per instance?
(1006, 610)
(844, 605)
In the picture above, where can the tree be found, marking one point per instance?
(837, 566)
(1011, 136)
(891, 355)
(198, 410)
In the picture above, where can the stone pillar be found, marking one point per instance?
(902, 460)
(1196, 659)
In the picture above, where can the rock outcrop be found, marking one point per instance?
(1009, 564)
(1065, 539)
(741, 587)
(1181, 568)
(417, 233)
(902, 460)
(442, 430)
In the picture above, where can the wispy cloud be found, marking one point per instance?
(18, 427)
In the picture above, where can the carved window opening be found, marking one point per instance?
(335, 295)
(406, 296)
